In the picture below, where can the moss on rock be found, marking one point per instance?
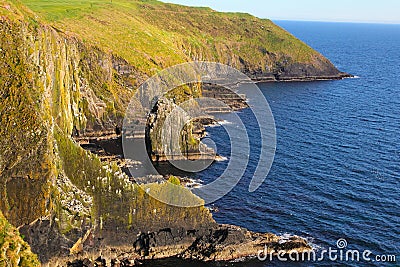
(14, 251)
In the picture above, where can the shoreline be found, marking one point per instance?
(341, 76)
(221, 244)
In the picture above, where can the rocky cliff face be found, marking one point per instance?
(166, 141)
(52, 87)
(48, 84)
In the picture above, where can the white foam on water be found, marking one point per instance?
(194, 183)
(221, 159)
(220, 123)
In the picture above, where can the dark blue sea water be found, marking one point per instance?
(336, 172)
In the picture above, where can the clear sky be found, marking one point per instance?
(373, 11)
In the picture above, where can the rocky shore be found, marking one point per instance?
(223, 243)
(339, 76)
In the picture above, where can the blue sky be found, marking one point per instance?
(373, 11)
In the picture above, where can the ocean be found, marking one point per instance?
(336, 173)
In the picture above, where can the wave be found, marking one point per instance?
(220, 123)
(221, 159)
(193, 183)
(354, 77)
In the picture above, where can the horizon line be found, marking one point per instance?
(287, 19)
(336, 21)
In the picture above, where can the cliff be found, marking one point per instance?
(68, 70)
(52, 85)
(153, 35)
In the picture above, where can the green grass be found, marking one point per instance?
(153, 35)
(56, 10)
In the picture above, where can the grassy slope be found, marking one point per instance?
(153, 35)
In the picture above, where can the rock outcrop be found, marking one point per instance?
(222, 243)
(230, 243)
(167, 141)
